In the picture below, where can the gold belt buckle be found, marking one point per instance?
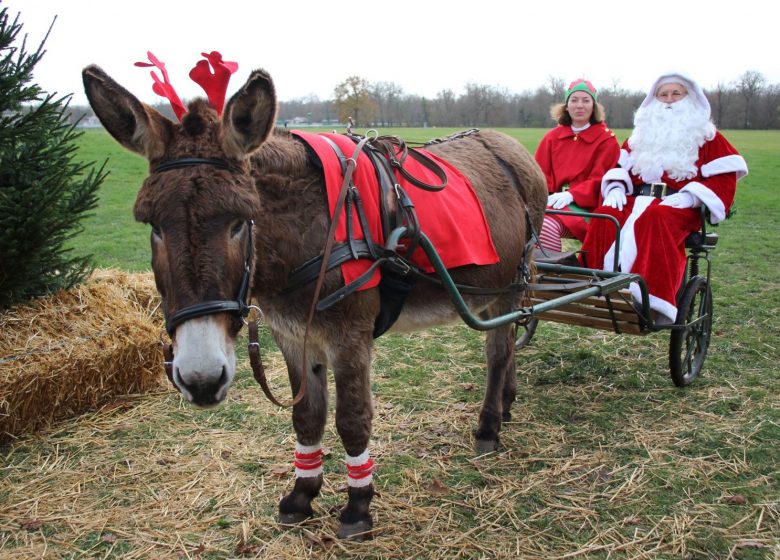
(655, 188)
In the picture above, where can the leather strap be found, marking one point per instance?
(392, 146)
(187, 162)
(330, 241)
(259, 371)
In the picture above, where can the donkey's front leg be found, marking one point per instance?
(354, 412)
(309, 417)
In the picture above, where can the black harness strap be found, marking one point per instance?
(188, 162)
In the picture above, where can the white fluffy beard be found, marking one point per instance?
(668, 138)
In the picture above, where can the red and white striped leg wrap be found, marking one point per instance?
(308, 460)
(360, 470)
(552, 233)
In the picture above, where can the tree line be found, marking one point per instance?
(748, 102)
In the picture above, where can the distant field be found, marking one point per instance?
(604, 457)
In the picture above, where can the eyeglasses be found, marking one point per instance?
(674, 95)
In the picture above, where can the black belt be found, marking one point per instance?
(658, 190)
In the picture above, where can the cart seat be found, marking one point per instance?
(701, 241)
(566, 258)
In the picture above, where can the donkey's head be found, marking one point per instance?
(199, 199)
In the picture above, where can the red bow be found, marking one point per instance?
(215, 85)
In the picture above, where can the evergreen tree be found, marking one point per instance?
(44, 191)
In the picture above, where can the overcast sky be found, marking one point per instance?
(309, 46)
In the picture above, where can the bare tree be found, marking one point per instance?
(387, 97)
(443, 111)
(556, 87)
(720, 100)
(749, 85)
(768, 107)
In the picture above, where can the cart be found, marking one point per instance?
(614, 309)
(564, 292)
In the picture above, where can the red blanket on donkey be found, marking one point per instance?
(452, 218)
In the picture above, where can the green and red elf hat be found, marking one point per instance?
(581, 84)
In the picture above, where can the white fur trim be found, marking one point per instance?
(707, 197)
(690, 84)
(306, 449)
(726, 164)
(357, 461)
(627, 235)
(616, 174)
(307, 473)
(360, 482)
(656, 304)
(625, 160)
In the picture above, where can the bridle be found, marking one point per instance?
(239, 306)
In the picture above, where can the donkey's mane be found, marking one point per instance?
(281, 154)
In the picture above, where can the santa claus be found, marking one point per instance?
(674, 162)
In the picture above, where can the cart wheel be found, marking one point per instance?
(688, 346)
(525, 333)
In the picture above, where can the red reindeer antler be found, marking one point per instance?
(164, 88)
(214, 84)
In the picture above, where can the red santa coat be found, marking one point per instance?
(578, 160)
(652, 241)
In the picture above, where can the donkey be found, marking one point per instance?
(215, 174)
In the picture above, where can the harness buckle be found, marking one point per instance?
(259, 313)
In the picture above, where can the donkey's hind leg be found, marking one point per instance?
(500, 387)
(510, 380)
(309, 417)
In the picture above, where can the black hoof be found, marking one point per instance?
(358, 531)
(483, 446)
(292, 519)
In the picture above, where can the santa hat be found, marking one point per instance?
(580, 84)
(693, 89)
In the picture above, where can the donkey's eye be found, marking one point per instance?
(236, 229)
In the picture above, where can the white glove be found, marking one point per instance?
(616, 198)
(560, 200)
(681, 200)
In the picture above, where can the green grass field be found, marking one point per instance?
(604, 457)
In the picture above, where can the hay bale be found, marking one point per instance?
(78, 350)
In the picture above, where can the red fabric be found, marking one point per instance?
(215, 85)
(308, 461)
(163, 87)
(452, 218)
(360, 471)
(580, 161)
(654, 246)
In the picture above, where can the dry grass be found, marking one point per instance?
(99, 338)
(591, 468)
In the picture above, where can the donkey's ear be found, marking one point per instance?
(249, 116)
(136, 126)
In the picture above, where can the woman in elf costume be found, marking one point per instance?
(574, 157)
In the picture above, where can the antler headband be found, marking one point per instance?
(214, 84)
